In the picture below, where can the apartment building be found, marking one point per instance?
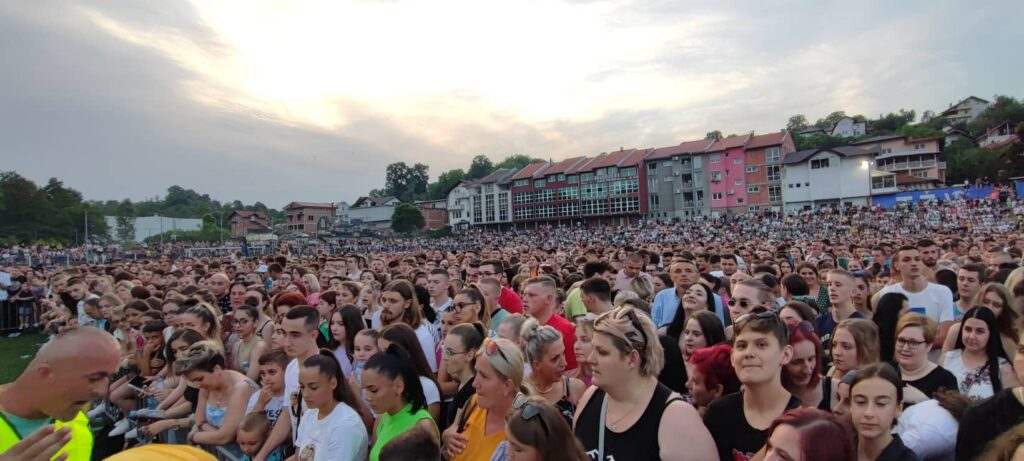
(676, 184)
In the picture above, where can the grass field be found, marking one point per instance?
(15, 354)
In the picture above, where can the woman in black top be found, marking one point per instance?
(739, 422)
(914, 335)
(627, 414)
(460, 346)
(546, 353)
(876, 398)
(985, 421)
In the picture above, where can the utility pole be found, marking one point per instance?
(86, 241)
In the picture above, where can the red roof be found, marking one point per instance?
(618, 158)
(686, 147)
(765, 140)
(246, 214)
(528, 170)
(729, 143)
(564, 166)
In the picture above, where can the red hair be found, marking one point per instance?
(798, 333)
(290, 299)
(822, 434)
(714, 365)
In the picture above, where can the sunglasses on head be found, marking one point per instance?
(763, 315)
(529, 410)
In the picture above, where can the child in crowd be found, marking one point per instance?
(365, 347)
(269, 400)
(251, 435)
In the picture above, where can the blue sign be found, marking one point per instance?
(1018, 185)
(944, 194)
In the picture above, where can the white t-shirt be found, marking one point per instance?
(430, 391)
(273, 408)
(341, 436)
(291, 387)
(936, 300)
(428, 342)
(926, 428)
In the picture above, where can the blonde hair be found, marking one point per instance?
(631, 330)
(913, 319)
(504, 357)
(536, 338)
(311, 282)
(865, 334)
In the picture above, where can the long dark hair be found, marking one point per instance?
(885, 316)
(354, 323)
(675, 329)
(328, 365)
(405, 336)
(393, 363)
(994, 347)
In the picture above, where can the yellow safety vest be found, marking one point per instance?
(79, 448)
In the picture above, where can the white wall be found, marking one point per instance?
(148, 226)
(845, 179)
(371, 214)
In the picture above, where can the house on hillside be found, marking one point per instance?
(964, 111)
(999, 136)
(245, 222)
(366, 213)
(309, 218)
(847, 127)
(915, 164)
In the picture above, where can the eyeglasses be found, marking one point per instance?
(450, 353)
(458, 307)
(909, 343)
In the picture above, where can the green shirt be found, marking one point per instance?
(391, 426)
(574, 304)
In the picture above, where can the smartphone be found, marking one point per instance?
(137, 381)
(919, 310)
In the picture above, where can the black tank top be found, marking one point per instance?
(639, 442)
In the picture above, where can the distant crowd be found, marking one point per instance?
(892, 334)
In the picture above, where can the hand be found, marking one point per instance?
(454, 443)
(40, 446)
(264, 397)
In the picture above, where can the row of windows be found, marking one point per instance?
(585, 191)
(616, 205)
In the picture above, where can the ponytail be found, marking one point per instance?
(328, 364)
(396, 362)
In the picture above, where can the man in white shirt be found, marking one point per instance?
(300, 332)
(934, 300)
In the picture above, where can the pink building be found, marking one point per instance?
(726, 169)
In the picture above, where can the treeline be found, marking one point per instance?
(52, 214)
(412, 183)
(965, 161)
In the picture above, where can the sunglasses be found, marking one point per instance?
(742, 302)
(530, 410)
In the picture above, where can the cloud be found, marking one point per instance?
(281, 101)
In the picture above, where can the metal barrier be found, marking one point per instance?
(11, 319)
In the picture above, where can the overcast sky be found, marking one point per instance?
(310, 100)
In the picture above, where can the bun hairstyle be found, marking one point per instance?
(474, 294)
(205, 313)
(394, 363)
(328, 365)
(202, 356)
(536, 338)
(470, 334)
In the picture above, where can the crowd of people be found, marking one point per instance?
(864, 334)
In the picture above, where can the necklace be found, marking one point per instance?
(543, 391)
(614, 425)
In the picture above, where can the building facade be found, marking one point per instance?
(905, 163)
(727, 180)
(435, 213)
(366, 214)
(849, 128)
(602, 189)
(965, 110)
(838, 176)
(676, 184)
(481, 202)
(309, 218)
(763, 170)
(245, 222)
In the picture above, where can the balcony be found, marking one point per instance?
(907, 165)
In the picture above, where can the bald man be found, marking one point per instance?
(66, 374)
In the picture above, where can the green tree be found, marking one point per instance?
(796, 122)
(716, 134)
(406, 218)
(125, 230)
(480, 166)
(919, 131)
(447, 181)
(819, 141)
(830, 120)
(406, 183)
(1003, 109)
(516, 162)
(891, 122)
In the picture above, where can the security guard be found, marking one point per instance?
(68, 372)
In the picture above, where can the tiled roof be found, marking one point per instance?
(793, 158)
(527, 171)
(498, 176)
(308, 205)
(246, 214)
(618, 158)
(564, 166)
(729, 143)
(765, 140)
(686, 147)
